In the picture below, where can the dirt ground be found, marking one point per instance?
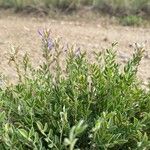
(97, 34)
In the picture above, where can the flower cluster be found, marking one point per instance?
(46, 38)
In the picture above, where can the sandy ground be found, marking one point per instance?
(22, 31)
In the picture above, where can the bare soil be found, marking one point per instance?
(87, 33)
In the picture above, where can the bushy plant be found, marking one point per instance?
(113, 7)
(123, 7)
(131, 21)
(82, 105)
(62, 4)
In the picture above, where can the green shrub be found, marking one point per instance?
(123, 7)
(17, 4)
(62, 4)
(131, 21)
(112, 7)
(11, 3)
(84, 104)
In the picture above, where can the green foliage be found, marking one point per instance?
(131, 21)
(84, 105)
(113, 7)
(123, 7)
(62, 4)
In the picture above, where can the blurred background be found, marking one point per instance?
(133, 10)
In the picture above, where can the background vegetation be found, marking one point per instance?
(114, 7)
(130, 12)
(82, 105)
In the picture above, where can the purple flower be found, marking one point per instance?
(50, 43)
(46, 39)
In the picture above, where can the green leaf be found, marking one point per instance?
(24, 133)
(31, 132)
(2, 116)
(45, 127)
(40, 126)
(51, 145)
(67, 142)
(6, 127)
